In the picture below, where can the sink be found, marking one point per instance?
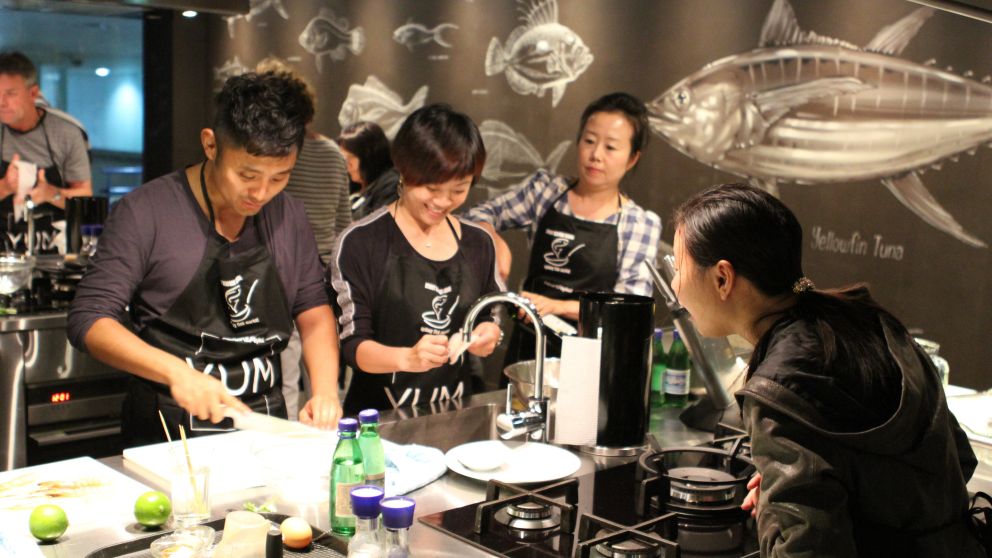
(444, 430)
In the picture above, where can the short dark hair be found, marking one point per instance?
(15, 63)
(266, 114)
(367, 142)
(763, 240)
(437, 144)
(633, 110)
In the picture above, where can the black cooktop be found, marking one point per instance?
(610, 513)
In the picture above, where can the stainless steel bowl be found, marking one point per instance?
(521, 375)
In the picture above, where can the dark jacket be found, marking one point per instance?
(381, 191)
(895, 487)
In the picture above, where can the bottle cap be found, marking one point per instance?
(365, 501)
(397, 512)
(347, 425)
(368, 416)
(677, 336)
(96, 230)
(85, 230)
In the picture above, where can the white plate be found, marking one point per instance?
(528, 462)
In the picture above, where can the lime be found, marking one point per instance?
(48, 522)
(152, 509)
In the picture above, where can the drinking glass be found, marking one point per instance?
(190, 488)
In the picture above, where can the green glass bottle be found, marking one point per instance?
(658, 365)
(676, 380)
(347, 472)
(373, 456)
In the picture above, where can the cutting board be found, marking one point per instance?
(235, 458)
(92, 495)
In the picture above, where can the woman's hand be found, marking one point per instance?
(751, 500)
(485, 337)
(429, 353)
(322, 411)
(202, 395)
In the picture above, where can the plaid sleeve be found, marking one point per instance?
(521, 207)
(639, 232)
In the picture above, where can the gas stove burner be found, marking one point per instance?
(698, 485)
(528, 520)
(627, 548)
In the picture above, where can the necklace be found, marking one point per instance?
(428, 243)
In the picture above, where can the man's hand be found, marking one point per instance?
(202, 396)
(43, 192)
(322, 411)
(429, 353)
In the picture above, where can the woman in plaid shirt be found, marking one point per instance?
(585, 235)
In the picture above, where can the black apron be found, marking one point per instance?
(231, 322)
(569, 256)
(417, 297)
(46, 215)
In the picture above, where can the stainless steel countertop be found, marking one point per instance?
(453, 425)
(26, 322)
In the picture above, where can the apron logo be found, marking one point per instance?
(438, 394)
(239, 311)
(436, 318)
(560, 254)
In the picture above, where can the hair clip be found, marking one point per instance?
(802, 285)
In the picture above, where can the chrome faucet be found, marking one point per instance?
(534, 420)
(29, 219)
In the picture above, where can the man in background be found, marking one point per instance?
(51, 148)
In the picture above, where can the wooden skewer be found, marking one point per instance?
(189, 465)
(164, 427)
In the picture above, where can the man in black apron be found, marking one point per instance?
(55, 146)
(216, 263)
(569, 256)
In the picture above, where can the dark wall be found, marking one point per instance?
(933, 281)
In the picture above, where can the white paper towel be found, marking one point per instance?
(577, 405)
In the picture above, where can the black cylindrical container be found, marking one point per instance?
(624, 324)
(79, 211)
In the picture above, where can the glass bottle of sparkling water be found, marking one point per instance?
(397, 517)
(347, 472)
(676, 381)
(372, 454)
(365, 542)
(658, 366)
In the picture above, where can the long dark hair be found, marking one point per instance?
(763, 240)
(436, 144)
(368, 142)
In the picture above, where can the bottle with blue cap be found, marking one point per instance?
(373, 456)
(365, 542)
(397, 517)
(347, 472)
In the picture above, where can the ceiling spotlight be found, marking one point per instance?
(190, 13)
(102, 71)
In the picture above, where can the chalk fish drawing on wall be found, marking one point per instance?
(374, 102)
(509, 155)
(412, 34)
(810, 109)
(539, 55)
(328, 35)
(232, 67)
(256, 7)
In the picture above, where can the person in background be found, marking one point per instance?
(370, 167)
(406, 275)
(585, 235)
(320, 181)
(216, 265)
(856, 451)
(56, 145)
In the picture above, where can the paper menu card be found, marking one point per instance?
(577, 404)
(92, 494)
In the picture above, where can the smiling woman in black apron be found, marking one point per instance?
(56, 147)
(216, 263)
(585, 234)
(406, 275)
